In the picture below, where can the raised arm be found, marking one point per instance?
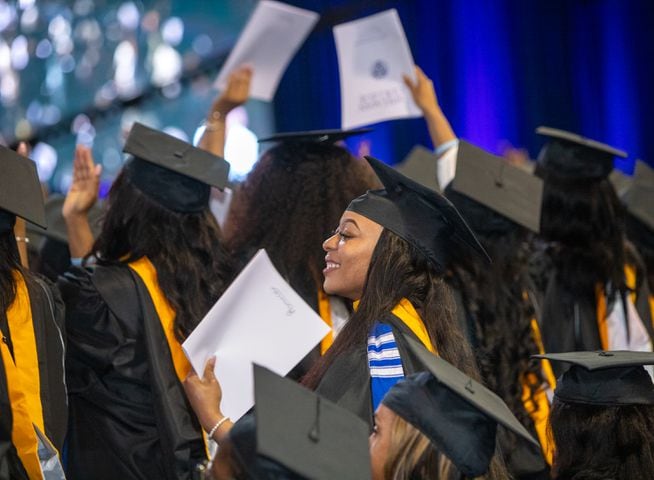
(82, 195)
(424, 96)
(235, 94)
(20, 227)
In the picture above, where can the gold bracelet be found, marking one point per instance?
(22, 239)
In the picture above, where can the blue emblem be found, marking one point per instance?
(379, 69)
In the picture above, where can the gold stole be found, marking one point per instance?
(538, 408)
(408, 314)
(410, 317)
(325, 312)
(23, 380)
(148, 273)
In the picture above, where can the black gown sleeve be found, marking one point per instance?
(112, 431)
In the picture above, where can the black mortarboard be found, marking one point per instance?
(458, 414)
(494, 182)
(308, 434)
(638, 197)
(316, 136)
(20, 190)
(417, 214)
(172, 172)
(571, 155)
(604, 378)
(420, 166)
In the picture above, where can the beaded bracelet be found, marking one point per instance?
(217, 426)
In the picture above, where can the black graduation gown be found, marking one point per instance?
(347, 381)
(568, 323)
(10, 464)
(47, 311)
(129, 416)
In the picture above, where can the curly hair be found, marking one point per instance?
(584, 220)
(193, 266)
(289, 203)
(496, 298)
(597, 442)
(399, 270)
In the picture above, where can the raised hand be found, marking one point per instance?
(422, 91)
(83, 192)
(235, 94)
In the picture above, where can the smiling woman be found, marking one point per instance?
(351, 246)
(387, 256)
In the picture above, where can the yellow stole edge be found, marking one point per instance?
(406, 312)
(325, 312)
(23, 435)
(538, 408)
(148, 274)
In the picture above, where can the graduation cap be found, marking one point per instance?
(639, 195)
(604, 378)
(420, 166)
(315, 136)
(571, 155)
(307, 434)
(504, 188)
(172, 172)
(20, 190)
(417, 214)
(458, 414)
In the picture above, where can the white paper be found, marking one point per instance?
(271, 37)
(373, 54)
(259, 319)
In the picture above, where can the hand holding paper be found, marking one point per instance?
(373, 58)
(271, 37)
(259, 319)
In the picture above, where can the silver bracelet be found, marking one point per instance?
(217, 426)
(22, 239)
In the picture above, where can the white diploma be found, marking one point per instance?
(373, 54)
(269, 41)
(259, 319)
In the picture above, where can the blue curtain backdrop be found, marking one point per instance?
(501, 68)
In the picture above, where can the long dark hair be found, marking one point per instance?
(598, 442)
(9, 264)
(399, 270)
(289, 202)
(496, 299)
(193, 266)
(584, 221)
